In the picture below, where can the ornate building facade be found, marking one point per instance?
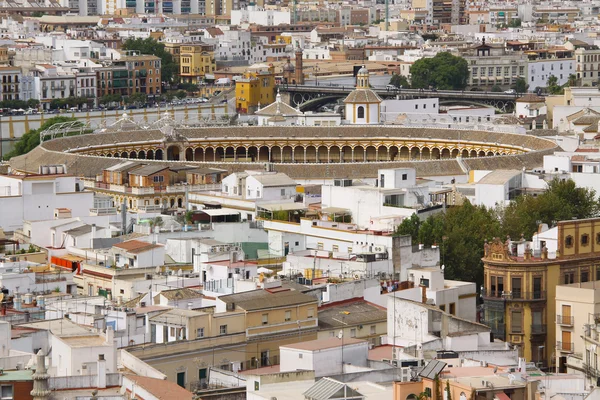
(519, 288)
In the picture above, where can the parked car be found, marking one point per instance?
(510, 91)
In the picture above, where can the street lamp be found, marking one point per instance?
(315, 70)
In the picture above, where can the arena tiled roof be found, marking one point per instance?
(63, 150)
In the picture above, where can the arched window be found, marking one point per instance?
(360, 112)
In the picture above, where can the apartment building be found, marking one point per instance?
(539, 70)
(578, 307)
(195, 62)
(257, 86)
(493, 66)
(556, 14)
(503, 15)
(244, 332)
(10, 77)
(520, 287)
(132, 73)
(51, 83)
(587, 66)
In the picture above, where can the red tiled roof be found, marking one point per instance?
(136, 246)
(161, 389)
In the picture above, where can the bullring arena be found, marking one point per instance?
(299, 151)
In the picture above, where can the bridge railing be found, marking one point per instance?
(336, 88)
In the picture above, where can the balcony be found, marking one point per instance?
(564, 320)
(538, 329)
(565, 347)
(539, 295)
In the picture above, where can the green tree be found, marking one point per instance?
(444, 71)
(553, 86)
(180, 94)
(31, 139)
(399, 81)
(189, 87)
(136, 98)
(496, 89)
(152, 47)
(561, 201)
(515, 23)
(520, 85)
(448, 392)
(572, 80)
(110, 98)
(410, 226)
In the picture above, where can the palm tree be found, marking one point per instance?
(572, 80)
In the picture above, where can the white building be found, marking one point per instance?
(324, 356)
(260, 16)
(138, 254)
(35, 197)
(78, 355)
(51, 83)
(396, 194)
(538, 71)
(530, 105)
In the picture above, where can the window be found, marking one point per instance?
(283, 192)
(453, 308)
(373, 329)
(537, 287)
(569, 241)
(353, 332)
(158, 178)
(311, 313)
(443, 307)
(335, 247)
(6, 392)
(569, 278)
(300, 355)
(288, 315)
(585, 239)
(516, 288)
(404, 177)
(265, 319)
(424, 282)
(360, 112)
(416, 106)
(172, 331)
(516, 322)
(320, 246)
(200, 332)
(181, 379)
(223, 330)
(585, 276)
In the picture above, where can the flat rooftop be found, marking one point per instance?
(323, 344)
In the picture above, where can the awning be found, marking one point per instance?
(282, 206)
(218, 212)
(335, 210)
(209, 77)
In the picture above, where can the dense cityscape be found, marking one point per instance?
(294, 200)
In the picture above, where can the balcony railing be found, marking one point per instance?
(566, 347)
(564, 320)
(538, 329)
(539, 295)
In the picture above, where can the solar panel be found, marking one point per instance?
(433, 368)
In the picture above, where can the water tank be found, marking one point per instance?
(52, 169)
(44, 170)
(40, 301)
(27, 298)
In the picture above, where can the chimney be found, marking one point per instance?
(101, 371)
(110, 335)
(423, 294)
(93, 236)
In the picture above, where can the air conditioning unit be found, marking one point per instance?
(378, 249)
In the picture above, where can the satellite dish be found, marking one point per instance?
(341, 334)
(157, 270)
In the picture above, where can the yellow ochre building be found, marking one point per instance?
(519, 289)
(257, 86)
